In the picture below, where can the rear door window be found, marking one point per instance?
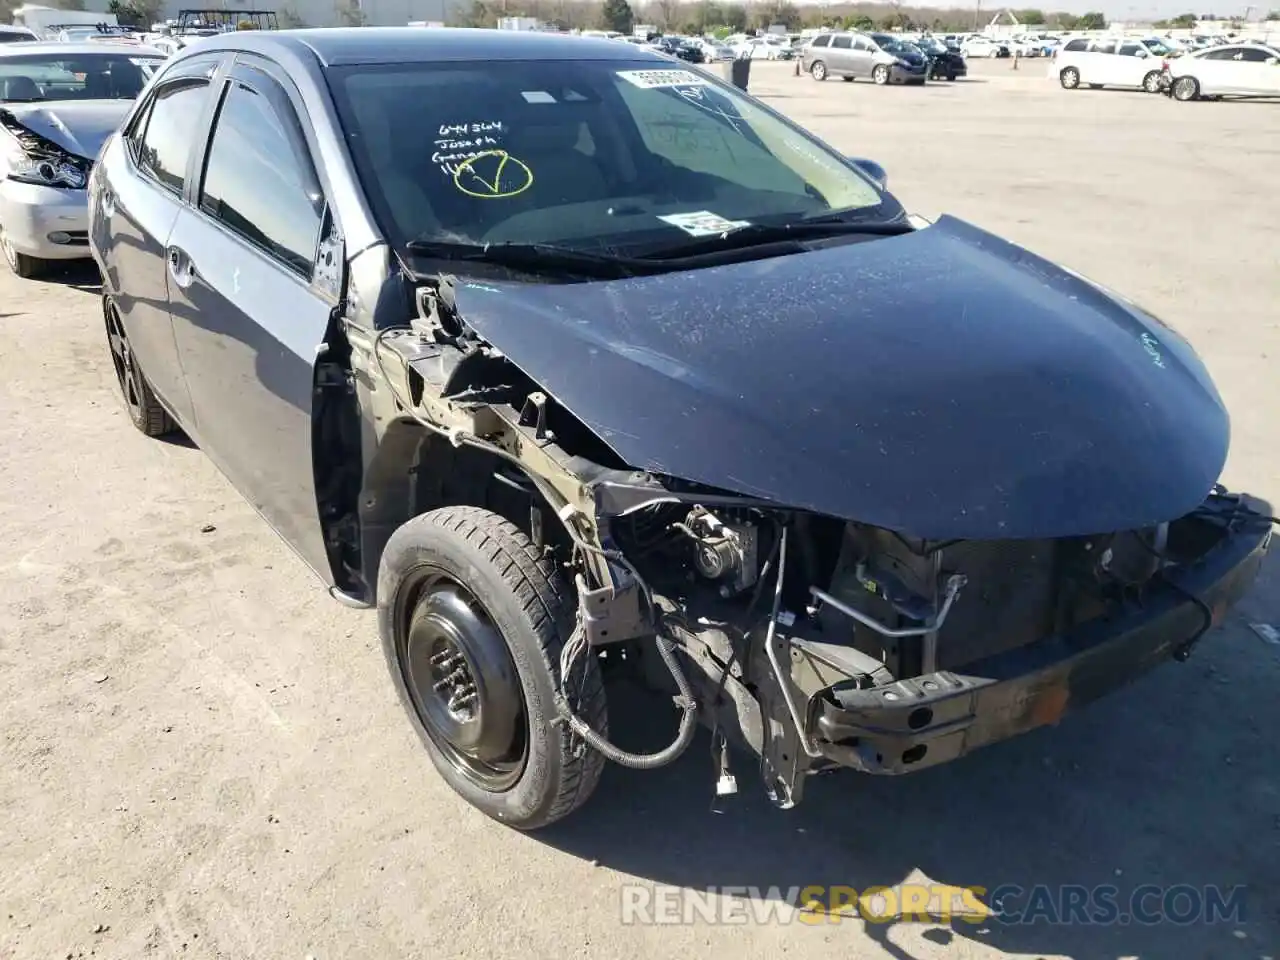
(822, 41)
(842, 43)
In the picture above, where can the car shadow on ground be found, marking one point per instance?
(78, 274)
(1170, 781)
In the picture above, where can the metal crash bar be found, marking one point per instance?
(954, 584)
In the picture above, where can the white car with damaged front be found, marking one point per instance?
(58, 104)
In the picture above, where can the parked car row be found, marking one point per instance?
(1232, 70)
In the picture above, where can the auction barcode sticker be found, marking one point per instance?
(656, 79)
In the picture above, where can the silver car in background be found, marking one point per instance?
(849, 55)
(58, 103)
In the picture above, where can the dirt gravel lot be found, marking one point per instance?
(203, 757)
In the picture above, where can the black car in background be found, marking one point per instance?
(945, 61)
(690, 51)
(679, 47)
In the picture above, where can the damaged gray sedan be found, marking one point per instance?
(566, 356)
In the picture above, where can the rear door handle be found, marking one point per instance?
(181, 268)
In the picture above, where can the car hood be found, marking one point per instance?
(943, 383)
(80, 127)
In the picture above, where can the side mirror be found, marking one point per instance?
(872, 170)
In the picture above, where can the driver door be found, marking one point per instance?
(250, 304)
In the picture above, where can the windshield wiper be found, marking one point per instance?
(760, 234)
(534, 257)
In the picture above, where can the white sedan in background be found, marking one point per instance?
(984, 47)
(1236, 70)
(58, 103)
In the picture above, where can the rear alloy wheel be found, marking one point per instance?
(1069, 78)
(818, 70)
(1186, 89)
(1151, 82)
(880, 74)
(21, 264)
(144, 409)
(473, 620)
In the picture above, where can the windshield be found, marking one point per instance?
(621, 155)
(85, 76)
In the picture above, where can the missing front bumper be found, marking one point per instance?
(928, 720)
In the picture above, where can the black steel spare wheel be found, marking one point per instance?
(464, 684)
(139, 400)
(473, 619)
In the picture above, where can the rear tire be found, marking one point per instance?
(465, 580)
(1069, 78)
(818, 70)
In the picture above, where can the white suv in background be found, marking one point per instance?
(1108, 63)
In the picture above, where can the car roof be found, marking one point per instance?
(76, 49)
(346, 46)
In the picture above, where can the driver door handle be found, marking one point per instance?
(181, 268)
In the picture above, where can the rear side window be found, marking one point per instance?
(1220, 55)
(258, 180)
(822, 41)
(1075, 46)
(842, 43)
(1104, 48)
(170, 129)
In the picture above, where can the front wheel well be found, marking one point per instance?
(416, 470)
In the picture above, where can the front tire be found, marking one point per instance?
(880, 74)
(473, 618)
(1151, 82)
(22, 265)
(818, 70)
(1186, 89)
(1069, 78)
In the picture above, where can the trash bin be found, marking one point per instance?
(738, 71)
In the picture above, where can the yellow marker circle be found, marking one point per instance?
(492, 188)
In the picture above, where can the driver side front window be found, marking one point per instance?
(164, 139)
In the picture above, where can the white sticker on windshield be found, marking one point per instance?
(703, 223)
(657, 79)
(537, 96)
